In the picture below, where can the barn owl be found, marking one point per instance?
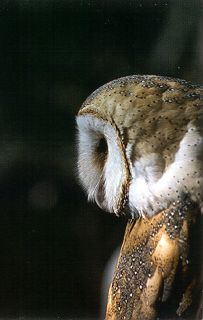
(140, 143)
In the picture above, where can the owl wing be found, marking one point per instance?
(157, 273)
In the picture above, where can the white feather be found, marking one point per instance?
(90, 131)
(153, 188)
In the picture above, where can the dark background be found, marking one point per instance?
(53, 54)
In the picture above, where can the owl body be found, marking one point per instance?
(140, 144)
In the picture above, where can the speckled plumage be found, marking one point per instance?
(152, 128)
(158, 273)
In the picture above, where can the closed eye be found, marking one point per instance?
(102, 147)
(101, 152)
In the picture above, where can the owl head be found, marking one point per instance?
(140, 144)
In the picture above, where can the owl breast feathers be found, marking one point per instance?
(140, 144)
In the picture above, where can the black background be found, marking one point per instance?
(53, 54)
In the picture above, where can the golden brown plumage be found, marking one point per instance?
(159, 271)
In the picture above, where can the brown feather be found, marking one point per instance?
(158, 272)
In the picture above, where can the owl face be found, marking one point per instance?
(140, 144)
(101, 155)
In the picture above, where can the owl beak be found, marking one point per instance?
(100, 198)
(100, 201)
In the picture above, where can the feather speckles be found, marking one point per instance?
(153, 131)
(153, 252)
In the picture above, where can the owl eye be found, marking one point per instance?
(101, 152)
(102, 147)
